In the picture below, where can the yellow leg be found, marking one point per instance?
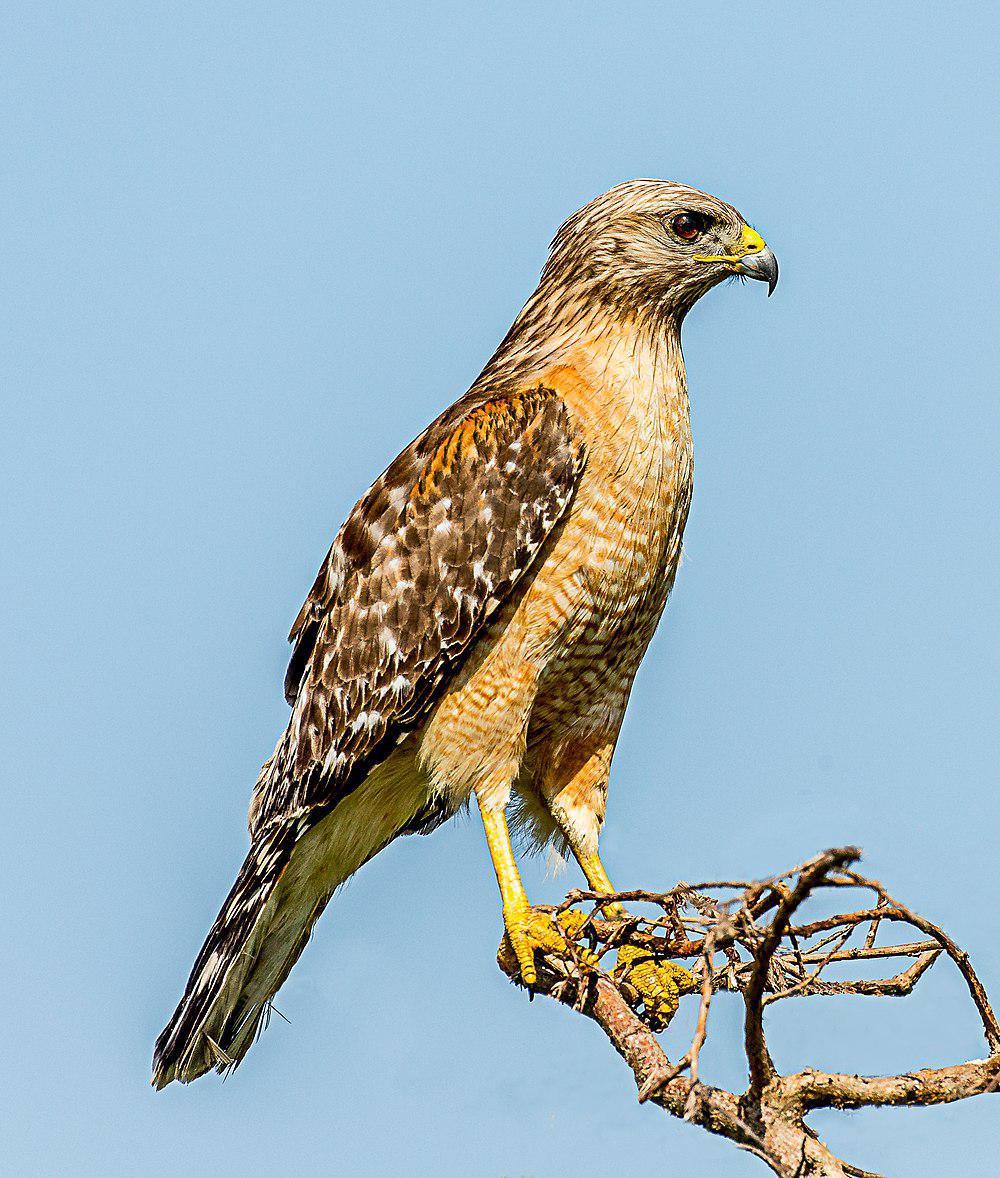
(512, 891)
(599, 881)
(659, 984)
(527, 928)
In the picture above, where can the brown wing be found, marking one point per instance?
(423, 562)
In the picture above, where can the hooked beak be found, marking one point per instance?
(762, 265)
(752, 258)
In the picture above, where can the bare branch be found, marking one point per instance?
(758, 1059)
(730, 946)
(894, 987)
(810, 1089)
(896, 911)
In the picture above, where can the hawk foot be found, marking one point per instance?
(657, 984)
(530, 931)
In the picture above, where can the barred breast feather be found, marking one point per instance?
(424, 561)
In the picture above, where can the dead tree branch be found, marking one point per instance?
(748, 944)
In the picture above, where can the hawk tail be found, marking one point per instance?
(213, 1025)
(290, 872)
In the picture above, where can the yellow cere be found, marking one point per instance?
(751, 243)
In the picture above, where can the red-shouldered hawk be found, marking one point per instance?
(478, 621)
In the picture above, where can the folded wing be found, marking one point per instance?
(423, 563)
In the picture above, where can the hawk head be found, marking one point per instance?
(657, 244)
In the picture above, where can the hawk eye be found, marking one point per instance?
(689, 226)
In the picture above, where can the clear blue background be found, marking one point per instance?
(247, 252)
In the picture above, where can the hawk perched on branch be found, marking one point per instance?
(478, 621)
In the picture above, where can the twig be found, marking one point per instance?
(759, 1063)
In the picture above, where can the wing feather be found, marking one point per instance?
(421, 565)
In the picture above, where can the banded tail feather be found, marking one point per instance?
(205, 1028)
(285, 883)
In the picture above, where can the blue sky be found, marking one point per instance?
(249, 250)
